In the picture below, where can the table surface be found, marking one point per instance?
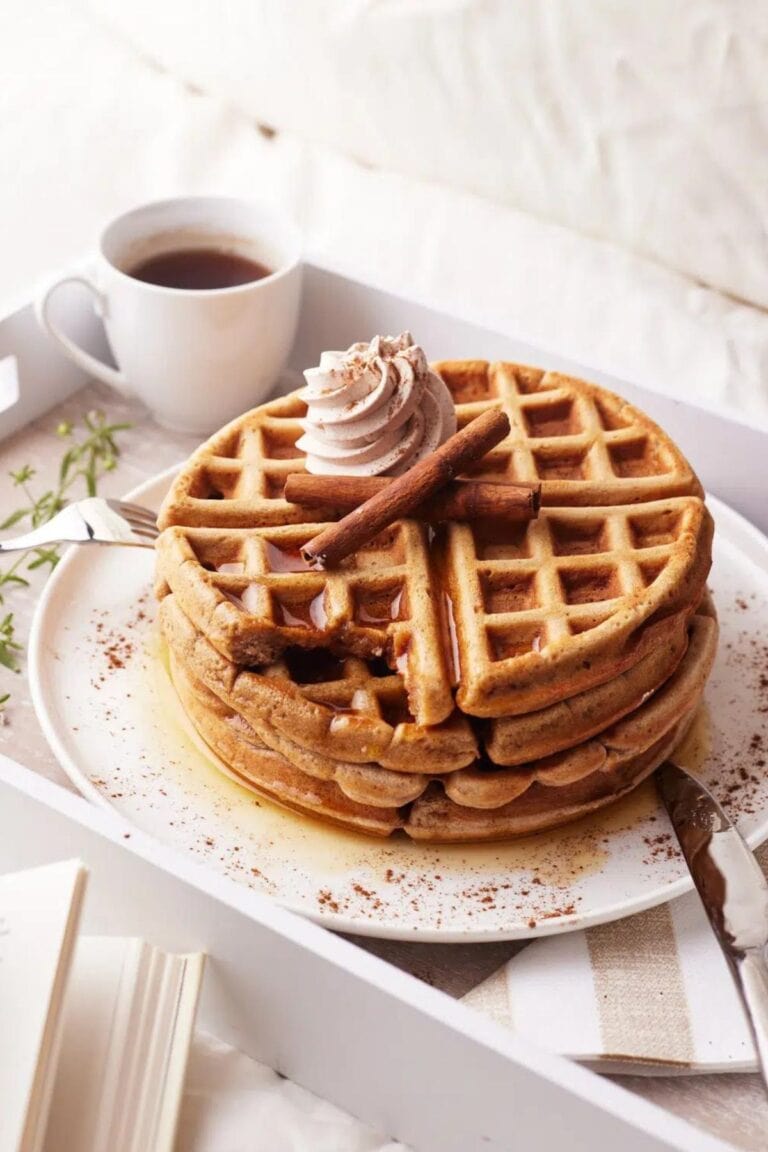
(732, 1107)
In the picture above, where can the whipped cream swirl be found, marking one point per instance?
(376, 409)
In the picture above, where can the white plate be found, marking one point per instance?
(108, 709)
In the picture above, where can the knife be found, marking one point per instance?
(732, 888)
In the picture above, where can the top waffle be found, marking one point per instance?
(516, 619)
(584, 444)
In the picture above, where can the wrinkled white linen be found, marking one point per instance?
(645, 124)
(233, 1104)
(88, 129)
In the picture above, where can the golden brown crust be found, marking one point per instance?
(587, 446)
(543, 626)
(433, 817)
(514, 739)
(481, 683)
(542, 614)
(537, 793)
(355, 715)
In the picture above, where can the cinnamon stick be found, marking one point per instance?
(459, 500)
(401, 495)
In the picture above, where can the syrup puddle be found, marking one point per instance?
(557, 859)
(694, 751)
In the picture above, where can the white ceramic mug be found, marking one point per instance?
(196, 358)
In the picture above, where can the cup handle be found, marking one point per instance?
(90, 364)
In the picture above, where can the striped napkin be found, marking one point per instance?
(649, 994)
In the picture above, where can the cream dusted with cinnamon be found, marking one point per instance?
(375, 410)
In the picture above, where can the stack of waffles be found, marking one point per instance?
(468, 682)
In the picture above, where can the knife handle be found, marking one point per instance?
(751, 972)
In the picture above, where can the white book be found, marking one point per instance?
(39, 913)
(94, 1032)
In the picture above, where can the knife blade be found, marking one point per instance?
(732, 888)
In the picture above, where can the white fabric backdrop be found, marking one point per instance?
(87, 128)
(644, 123)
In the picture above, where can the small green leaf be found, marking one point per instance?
(44, 556)
(92, 451)
(14, 518)
(66, 462)
(13, 578)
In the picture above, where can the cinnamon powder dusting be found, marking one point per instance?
(521, 883)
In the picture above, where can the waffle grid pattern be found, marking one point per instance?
(570, 586)
(344, 709)
(263, 600)
(236, 479)
(586, 445)
(536, 614)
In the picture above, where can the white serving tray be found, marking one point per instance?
(398, 1054)
(381, 1044)
(34, 374)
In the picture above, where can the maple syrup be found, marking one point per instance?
(452, 646)
(694, 749)
(285, 559)
(381, 607)
(248, 599)
(303, 614)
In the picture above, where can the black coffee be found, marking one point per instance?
(198, 269)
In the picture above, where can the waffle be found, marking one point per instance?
(517, 620)
(482, 802)
(325, 707)
(239, 750)
(487, 786)
(535, 617)
(570, 600)
(322, 708)
(513, 740)
(584, 444)
(242, 589)
(436, 818)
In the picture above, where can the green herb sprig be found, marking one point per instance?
(90, 453)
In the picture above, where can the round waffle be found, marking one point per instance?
(515, 620)
(475, 682)
(483, 801)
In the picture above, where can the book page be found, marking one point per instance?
(39, 911)
(127, 1029)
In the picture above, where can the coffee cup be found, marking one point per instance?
(200, 301)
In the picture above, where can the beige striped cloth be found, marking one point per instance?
(651, 993)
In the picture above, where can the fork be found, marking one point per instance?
(92, 521)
